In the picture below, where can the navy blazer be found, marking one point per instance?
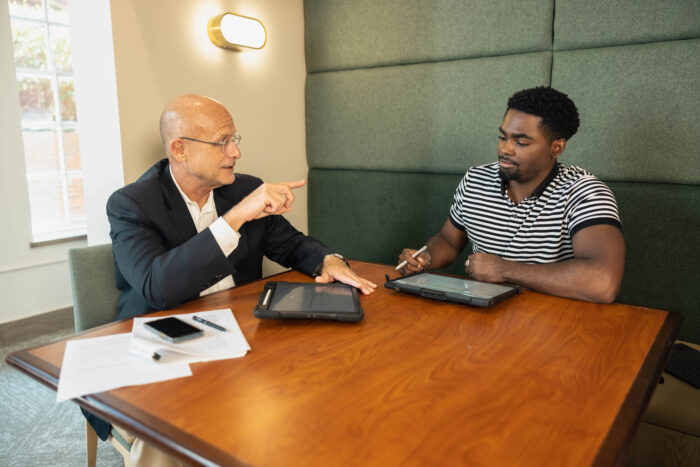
(161, 261)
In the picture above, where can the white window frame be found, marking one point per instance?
(71, 227)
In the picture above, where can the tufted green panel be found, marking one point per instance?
(404, 95)
(585, 23)
(342, 34)
(639, 110)
(375, 215)
(661, 227)
(436, 117)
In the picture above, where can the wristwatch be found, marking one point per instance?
(319, 269)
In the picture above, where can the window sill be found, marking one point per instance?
(57, 241)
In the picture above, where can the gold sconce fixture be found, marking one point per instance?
(232, 31)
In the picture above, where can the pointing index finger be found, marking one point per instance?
(295, 184)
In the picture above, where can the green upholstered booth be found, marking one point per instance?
(403, 96)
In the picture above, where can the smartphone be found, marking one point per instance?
(173, 329)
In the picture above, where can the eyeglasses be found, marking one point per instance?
(223, 145)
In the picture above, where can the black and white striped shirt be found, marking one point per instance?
(539, 229)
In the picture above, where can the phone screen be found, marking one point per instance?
(174, 328)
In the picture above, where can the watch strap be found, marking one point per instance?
(319, 269)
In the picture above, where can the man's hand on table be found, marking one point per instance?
(335, 269)
(486, 267)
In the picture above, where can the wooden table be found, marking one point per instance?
(535, 380)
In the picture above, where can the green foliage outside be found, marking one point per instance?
(62, 56)
(31, 50)
(36, 99)
(66, 93)
(36, 94)
(30, 45)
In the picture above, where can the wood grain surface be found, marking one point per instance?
(535, 380)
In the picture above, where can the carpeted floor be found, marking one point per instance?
(34, 429)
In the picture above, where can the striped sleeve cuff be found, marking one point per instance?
(589, 222)
(457, 224)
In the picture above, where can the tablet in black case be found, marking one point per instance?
(453, 289)
(308, 300)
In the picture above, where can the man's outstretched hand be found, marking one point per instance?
(335, 269)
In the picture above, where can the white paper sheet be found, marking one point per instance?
(102, 363)
(213, 345)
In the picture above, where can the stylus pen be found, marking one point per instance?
(208, 323)
(267, 297)
(414, 255)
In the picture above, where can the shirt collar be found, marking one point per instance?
(541, 187)
(209, 205)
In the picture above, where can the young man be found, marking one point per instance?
(533, 221)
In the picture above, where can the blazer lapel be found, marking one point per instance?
(178, 212)
(225, 200)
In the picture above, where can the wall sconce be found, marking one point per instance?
(232, 31)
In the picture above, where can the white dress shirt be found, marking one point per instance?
(225, 236)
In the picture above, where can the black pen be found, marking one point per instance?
(208, 323)
(145, 353)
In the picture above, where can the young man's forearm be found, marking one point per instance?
(442, 252)
(581, 279)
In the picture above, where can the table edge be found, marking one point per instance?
(105, 405)
(618, 440)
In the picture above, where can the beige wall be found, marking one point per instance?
(162, 50)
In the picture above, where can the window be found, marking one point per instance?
(44, 69)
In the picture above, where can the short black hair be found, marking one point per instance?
(558, 112)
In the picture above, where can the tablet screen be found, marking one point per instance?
(454, 285)
(333, 298)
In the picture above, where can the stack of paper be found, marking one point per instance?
(214, 345)
(103, 363)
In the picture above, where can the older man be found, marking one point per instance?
(191, 226)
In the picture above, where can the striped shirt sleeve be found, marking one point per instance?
(591, 203)
(456, 211)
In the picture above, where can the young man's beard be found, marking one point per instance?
(508, 176)
(510, 173)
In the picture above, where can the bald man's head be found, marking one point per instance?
(200, 140)
(189, 115)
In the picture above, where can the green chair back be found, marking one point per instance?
(95, 293)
